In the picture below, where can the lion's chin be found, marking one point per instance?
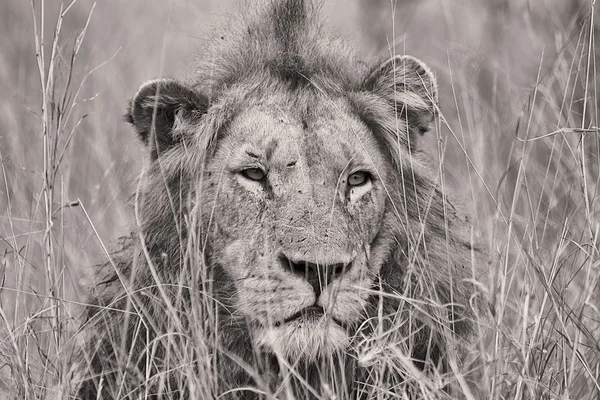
(307, 339)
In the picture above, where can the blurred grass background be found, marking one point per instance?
(510, 71)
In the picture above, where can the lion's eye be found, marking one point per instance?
(358, 178)
(255, 174)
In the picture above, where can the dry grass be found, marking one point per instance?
(518, 137)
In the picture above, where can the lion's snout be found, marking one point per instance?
(318, 274)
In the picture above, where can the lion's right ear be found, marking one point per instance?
(157, 107)
(409, 87)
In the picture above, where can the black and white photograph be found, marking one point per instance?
(299, 199)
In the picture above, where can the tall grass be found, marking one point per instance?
(45, 330)
(518, 136)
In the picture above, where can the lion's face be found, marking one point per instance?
(299, 202)
(295, 193)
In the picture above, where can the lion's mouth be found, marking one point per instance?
(311, 313)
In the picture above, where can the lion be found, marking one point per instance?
(291, 241)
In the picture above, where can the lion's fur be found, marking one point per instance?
(193, 310)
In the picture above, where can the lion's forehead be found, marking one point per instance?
(321, 137)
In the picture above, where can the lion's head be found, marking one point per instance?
(287, 176)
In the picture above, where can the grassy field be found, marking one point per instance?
(518, 138)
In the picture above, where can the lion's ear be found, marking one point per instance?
(410, 88)
(157, 108)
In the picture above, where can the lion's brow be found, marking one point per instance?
(271, 146)
(268, 151)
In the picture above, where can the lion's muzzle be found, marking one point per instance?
(318, 274)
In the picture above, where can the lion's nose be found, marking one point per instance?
(318, 275)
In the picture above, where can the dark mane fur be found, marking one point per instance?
(283, 42)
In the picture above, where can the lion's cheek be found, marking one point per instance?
(345, 300)
(240, 231)
(366, 215)
(266, 302)
(231, 258)
(347, 305)
(244, 259)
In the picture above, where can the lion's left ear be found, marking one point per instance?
(409, 87)
(158, 107)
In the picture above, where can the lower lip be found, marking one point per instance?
(310, 313)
